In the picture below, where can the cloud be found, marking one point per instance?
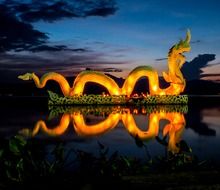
(107, 70)
(67, 63)
(55, 48)
(16, 17)
(211, 75)
(15, 34)
(32, 11)
(161, 59)
(196, 42)
(193, 69)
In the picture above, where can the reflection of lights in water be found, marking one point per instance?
(174, 128)
(135, 111)
(143, 111)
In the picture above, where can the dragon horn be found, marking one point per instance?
(188, 37)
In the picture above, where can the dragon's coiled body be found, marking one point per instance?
(174, 77)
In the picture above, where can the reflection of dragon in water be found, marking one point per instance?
(174, 76)
(174, 128)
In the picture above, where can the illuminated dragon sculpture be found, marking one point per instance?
(174, 76)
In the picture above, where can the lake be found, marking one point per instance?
(119, 128)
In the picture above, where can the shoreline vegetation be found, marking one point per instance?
(28, 163)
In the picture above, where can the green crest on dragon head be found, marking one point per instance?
(183, 45)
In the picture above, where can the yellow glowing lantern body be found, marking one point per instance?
(174, 77)
(96, 77)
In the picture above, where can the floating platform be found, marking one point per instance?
(56, 99)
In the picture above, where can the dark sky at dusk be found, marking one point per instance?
(69, 36)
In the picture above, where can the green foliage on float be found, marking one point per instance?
(55, 99)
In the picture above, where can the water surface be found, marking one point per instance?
(161, 128)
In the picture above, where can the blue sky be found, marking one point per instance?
(138, 33)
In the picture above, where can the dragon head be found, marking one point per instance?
(27, 76)
(176, 59)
